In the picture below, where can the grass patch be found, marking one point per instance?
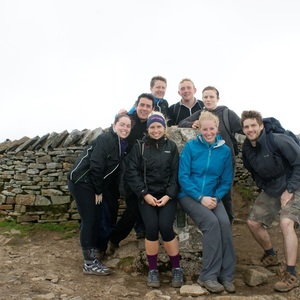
(69, 229)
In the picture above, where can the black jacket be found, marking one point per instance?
(154, 171)
(178, 111)
(138, 130)
(273, 172)
(98, 163)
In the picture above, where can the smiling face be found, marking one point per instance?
(252, 129)
(187, 90)
(209, 130)
(156, 130)
(144, 108)
(123, 127)
(159, 89)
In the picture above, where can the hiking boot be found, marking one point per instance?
(287, 283)
(153, 279)
(95, 268)
(269, 260)
(211, 285)
(229, 286)
(177, 277)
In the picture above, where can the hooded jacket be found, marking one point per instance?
(273, 172)
(205, 169)
(152, 167)
(234, 122)
(98, 162)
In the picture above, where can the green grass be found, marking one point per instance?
(69, 229)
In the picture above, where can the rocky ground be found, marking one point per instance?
(44, 265)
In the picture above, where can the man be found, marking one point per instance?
(144, 106)
(211, 97)
(158, 87)
(278, 176)
(187, 105)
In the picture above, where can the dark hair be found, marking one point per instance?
(251, 114)
(211, 88)
(145, 95)
(118, 117)
(155, 78)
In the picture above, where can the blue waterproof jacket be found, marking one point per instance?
(205, 169)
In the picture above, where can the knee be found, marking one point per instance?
(151, 236)
(286, 223)
(253, 225)
(168, 236)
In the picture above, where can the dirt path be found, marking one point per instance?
(45, 266)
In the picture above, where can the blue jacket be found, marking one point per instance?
(204, 169)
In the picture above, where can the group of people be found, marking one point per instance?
(137, 160)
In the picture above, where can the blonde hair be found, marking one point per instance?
(208, 116)
(186, 79)
(157, 113)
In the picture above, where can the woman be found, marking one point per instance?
(152, 174)
(205, 176)
(93, 181)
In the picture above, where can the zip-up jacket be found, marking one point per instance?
(273, 172)
(152, 167)
(138, 130)
(205, 169)
(97, 162)
(234, 122)
(179, 111)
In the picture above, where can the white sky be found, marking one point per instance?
(70, 64)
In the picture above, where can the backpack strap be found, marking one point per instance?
(225, 116)
(200, 103)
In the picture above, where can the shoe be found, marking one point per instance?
(153, 279)
(211, 285)
(111, 248)
(177, 277)
(228, 286)
(101, 265)
(95, 268)
(287, 283)
(269, 260)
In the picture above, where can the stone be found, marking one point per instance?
(253, 277)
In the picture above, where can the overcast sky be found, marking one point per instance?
(69, 64)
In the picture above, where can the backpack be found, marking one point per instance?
(231, 134)
(272, 125)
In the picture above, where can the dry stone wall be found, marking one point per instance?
(33, 174)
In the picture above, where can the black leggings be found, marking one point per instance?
(97, 221)
(89, 213)
(159, 219)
